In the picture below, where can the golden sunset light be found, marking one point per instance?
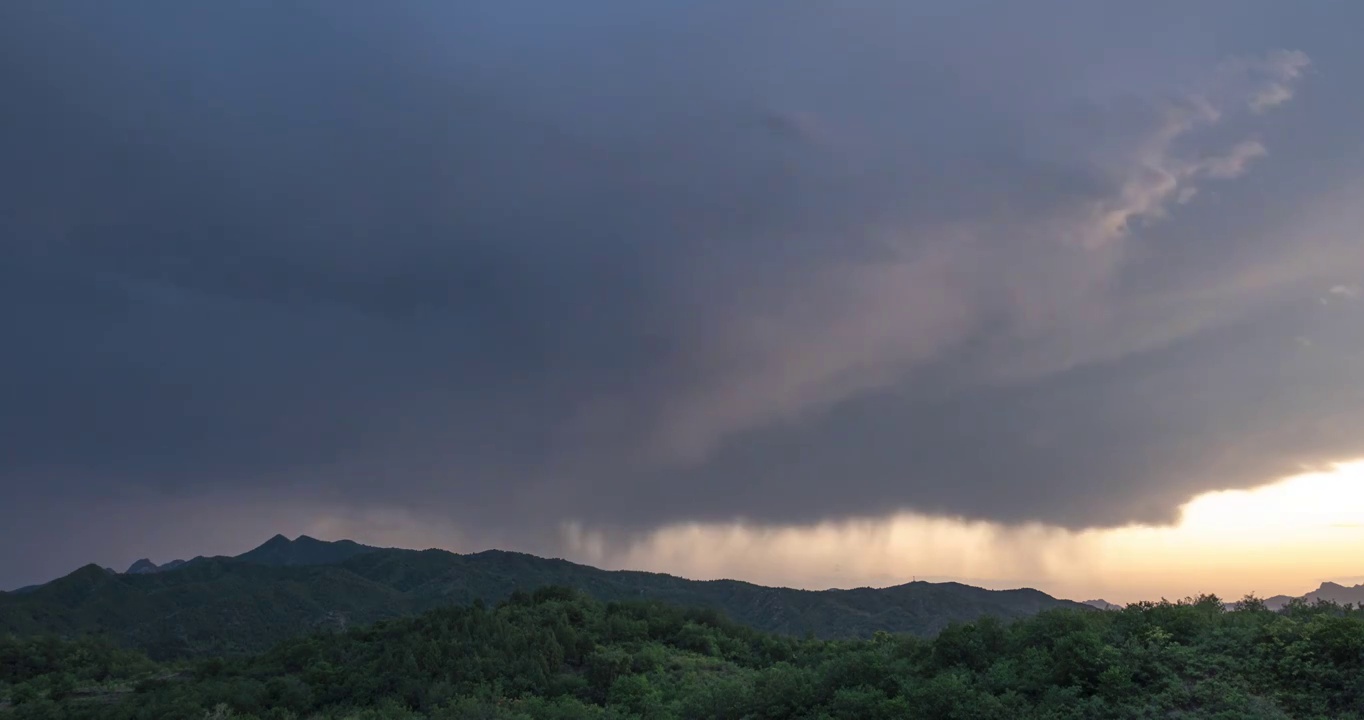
(1282, 538)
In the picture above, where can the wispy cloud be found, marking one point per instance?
(1280, 70)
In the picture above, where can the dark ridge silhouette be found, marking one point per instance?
(284, 588)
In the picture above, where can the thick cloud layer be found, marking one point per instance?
(517, 264)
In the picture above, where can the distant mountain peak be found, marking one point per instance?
(1337, 593)
(87, 575)
(303, 550)
(1328, 585)
(141, 567)
(147, 567)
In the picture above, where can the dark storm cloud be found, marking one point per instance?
(520, 263)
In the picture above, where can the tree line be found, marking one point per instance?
(557, 654)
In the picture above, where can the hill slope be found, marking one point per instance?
(1338, 594)
(1326, 592)
(244, 604)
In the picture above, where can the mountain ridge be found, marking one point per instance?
(225, 605)
(1328, 592)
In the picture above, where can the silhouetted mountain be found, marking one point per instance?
(277, 551)
(230, 605)
(1275, 602)
(1102, 605)
(1336, 593)
(1327, 592)
(142, 567)
(281, 551)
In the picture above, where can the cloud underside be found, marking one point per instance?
(518, 273)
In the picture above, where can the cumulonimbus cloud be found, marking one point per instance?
(837, 330)
(638, 264)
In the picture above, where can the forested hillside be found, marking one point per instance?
(225, 606)
(557, 654)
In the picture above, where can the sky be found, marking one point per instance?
(814, 294)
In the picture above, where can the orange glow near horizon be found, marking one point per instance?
(1282, 538)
